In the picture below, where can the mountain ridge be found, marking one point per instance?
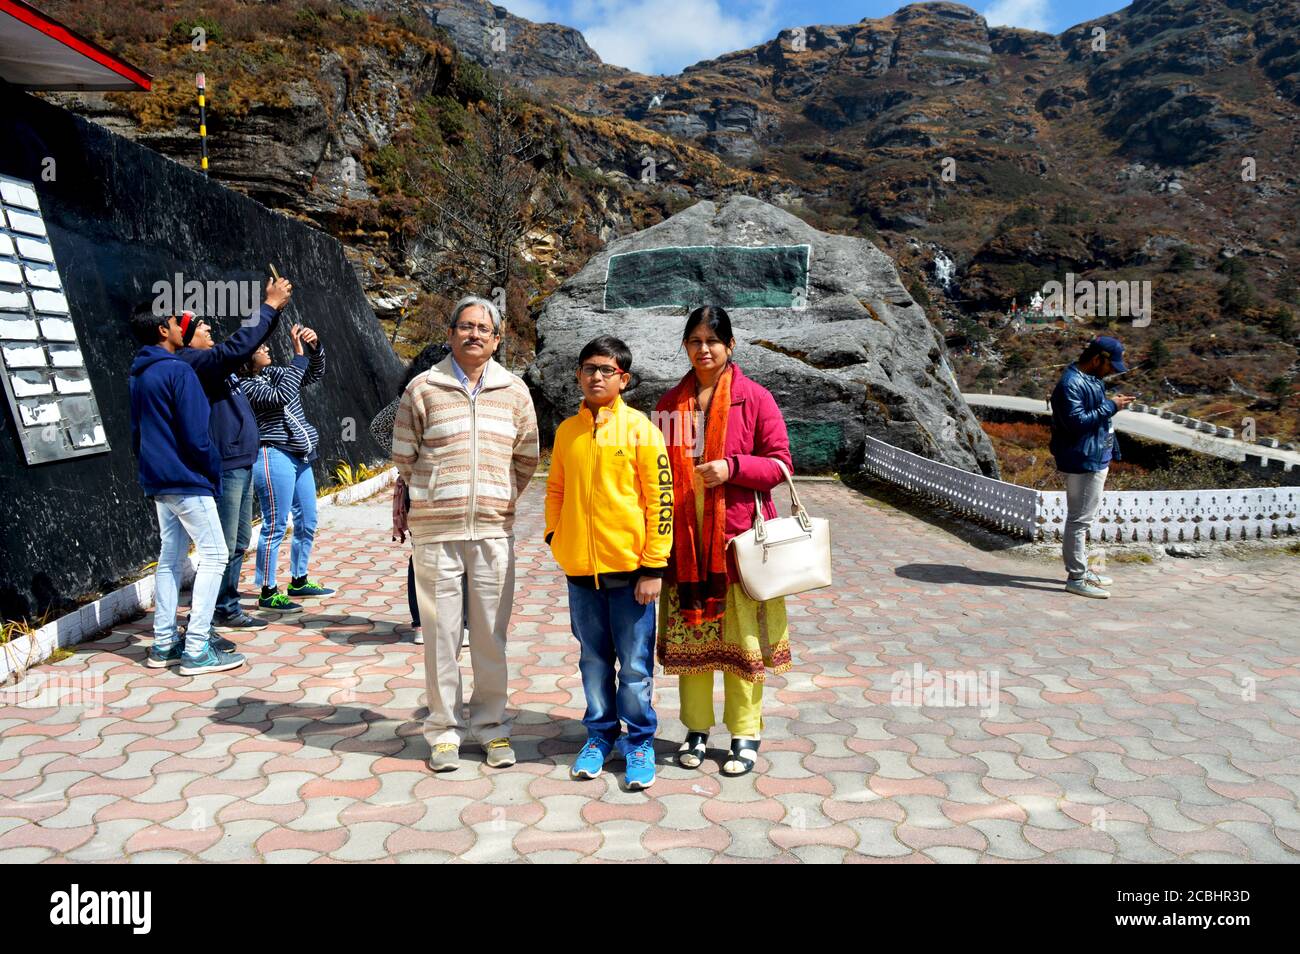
(1115, 149)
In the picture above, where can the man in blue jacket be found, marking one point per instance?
(234, 431)
(180, 470)
(1083, 443)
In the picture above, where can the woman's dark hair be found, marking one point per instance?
(717, 319)
(421, 363)
(607, 346)
(246, 370)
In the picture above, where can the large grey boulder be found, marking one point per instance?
(821, 320)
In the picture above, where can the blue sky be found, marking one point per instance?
(663, 36)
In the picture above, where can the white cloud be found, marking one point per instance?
(662, 36)
(1027, 14)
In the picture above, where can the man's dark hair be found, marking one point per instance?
(607, 346)
(145, 323)
(1090, 351)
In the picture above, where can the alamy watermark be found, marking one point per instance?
(130, 908)
(55, 689)
(1087, 298)
(954, 689)
(207, 299)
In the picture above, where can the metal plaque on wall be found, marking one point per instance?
(45, 376)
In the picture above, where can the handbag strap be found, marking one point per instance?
(796, 506)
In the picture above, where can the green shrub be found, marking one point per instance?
(1025, 215)
(1182, 259)
(183, 31)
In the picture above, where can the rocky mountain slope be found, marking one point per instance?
(322, 109)
(1153, 144)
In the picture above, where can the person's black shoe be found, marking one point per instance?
(240, 620)
(277, 601)
(221, 644)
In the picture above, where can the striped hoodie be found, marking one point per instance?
(276, 397)
(464, 460)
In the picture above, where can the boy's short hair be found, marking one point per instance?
(145, 323)
(607, 346)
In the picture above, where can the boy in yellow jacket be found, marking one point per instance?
(609, 522)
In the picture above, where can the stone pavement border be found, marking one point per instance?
(1161, 725)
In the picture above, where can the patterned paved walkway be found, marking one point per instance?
(1163, 725)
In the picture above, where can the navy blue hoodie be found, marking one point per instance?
(169, 427)
(234, 426)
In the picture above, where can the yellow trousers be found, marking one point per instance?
(742, 710)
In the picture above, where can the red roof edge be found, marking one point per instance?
(52, 28)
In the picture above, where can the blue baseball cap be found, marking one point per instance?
(1112, 347)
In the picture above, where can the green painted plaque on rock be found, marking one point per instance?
(734, 276)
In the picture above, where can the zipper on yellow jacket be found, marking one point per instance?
(591, 497)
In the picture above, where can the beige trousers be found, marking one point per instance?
(489, 566)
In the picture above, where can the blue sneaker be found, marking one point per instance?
(640, 764)
(170, 656)
(591, 760)
(209, 660)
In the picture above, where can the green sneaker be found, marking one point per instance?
(1085, 587)
(309, 588)
(280, 603)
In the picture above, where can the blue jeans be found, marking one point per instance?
(610, 624)
(235, 507)
(180, 520)
(284, 484)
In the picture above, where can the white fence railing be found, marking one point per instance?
(1156, 516)
(1004, 506)
(1181, 516)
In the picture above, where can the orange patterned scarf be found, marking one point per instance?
(700, 561)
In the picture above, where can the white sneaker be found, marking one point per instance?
(464, 637)
(1096, 579)
(1086, 588)
(418, 636)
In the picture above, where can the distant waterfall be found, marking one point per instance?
(945, 269)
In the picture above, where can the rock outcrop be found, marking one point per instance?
(821, 320)
(494, 37)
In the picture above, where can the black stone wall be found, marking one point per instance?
(121, 217)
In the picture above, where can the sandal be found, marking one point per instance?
(743, 757)
(691, 754)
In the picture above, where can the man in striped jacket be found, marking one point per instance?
(465, 444)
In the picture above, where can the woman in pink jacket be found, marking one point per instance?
(724, 434)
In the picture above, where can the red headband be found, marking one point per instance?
(187, 320)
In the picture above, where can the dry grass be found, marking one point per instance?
(18, 628)
(254, 52)
(1131, 558)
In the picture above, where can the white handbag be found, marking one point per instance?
(784, 556)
